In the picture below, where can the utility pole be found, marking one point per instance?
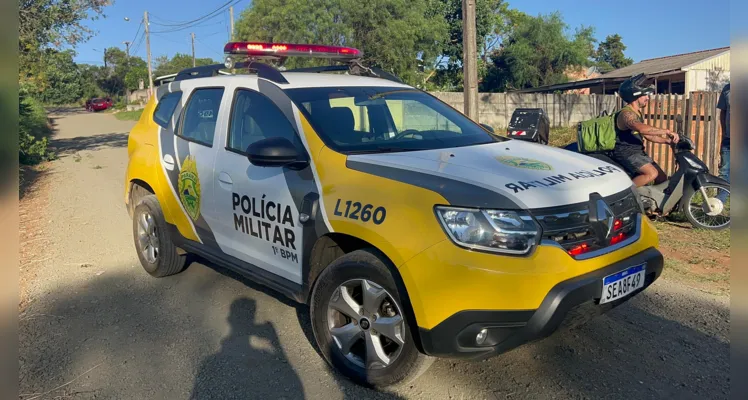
(469, 59)
(193, 49)
(127, 60)
(231, 14)
(148, 51)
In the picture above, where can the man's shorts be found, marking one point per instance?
(632, 159)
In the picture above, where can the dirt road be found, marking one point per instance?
(94, 325)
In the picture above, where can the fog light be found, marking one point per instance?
(481, 336)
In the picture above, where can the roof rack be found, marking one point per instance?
(271, 73)
(263, 71)
(353, 68)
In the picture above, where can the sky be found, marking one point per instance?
(650, 28)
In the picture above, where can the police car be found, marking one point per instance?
(411, 231)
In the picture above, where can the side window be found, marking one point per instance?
(254, 117)
(165, 108)
(200, 116)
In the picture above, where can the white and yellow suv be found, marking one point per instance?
(409, 229)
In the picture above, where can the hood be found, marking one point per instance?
(530, 175)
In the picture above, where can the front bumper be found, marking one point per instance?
(570, 302)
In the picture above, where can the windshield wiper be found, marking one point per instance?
(389, 92)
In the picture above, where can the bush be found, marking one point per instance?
(33, 129)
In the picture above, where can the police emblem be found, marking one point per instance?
(527, 163)
(189, 187)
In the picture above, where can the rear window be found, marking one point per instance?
(165, 108)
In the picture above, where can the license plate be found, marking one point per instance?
(622, 283)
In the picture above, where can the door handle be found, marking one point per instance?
(169, 162)
(225, 180)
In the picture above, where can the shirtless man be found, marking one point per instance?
(631, 130)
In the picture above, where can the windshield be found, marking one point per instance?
(385, 119)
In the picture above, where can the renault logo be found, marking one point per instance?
(601, 218)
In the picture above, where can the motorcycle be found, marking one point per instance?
(704, 198)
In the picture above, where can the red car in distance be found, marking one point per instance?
(98, 104)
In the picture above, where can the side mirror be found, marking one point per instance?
(274, 152)
(488, 128)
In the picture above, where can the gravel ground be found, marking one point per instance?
(93, 324)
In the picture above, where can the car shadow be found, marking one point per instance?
(69, 146)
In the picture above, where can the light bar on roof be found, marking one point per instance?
(275, 50)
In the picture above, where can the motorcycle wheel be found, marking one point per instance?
(718, 196)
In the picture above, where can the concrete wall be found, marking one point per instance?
(563, 110)
(138, 96)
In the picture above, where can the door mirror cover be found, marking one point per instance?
(274, 152)
(488, 128)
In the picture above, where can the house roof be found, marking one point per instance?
(650, 67)
(655, 66)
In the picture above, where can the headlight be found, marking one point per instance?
(497, 231)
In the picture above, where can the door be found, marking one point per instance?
(188, 155)
(257, 208)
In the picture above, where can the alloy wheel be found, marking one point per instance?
(148, 237)
(366, 324)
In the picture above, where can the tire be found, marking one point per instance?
(365, 265)
(167, 261)
(689, 210)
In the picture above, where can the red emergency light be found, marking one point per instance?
(276, 50)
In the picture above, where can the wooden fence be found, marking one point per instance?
(700, 123)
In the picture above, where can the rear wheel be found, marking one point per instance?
(359, 322)
(709, 207)
(156, 251)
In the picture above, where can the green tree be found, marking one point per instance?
(400, 36)
(538, 52)
(90, 76)
(397, 35)
(50, 23)
(180, 61)
(63, 78)
(609, 55)
(294, 21)
(44, 25)
(494, 19)
(137, 72)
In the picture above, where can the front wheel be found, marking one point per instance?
(709, 207)
(359, 322)
(157, 253)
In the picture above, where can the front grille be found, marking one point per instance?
(569, 226)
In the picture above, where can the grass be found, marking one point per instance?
(560, 137)
(129, 115)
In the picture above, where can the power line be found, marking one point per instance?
(140, 42)
(212, 34)
(167, 39)
(206, 16)
(137, 32)
(220, 55)
(201, 24)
